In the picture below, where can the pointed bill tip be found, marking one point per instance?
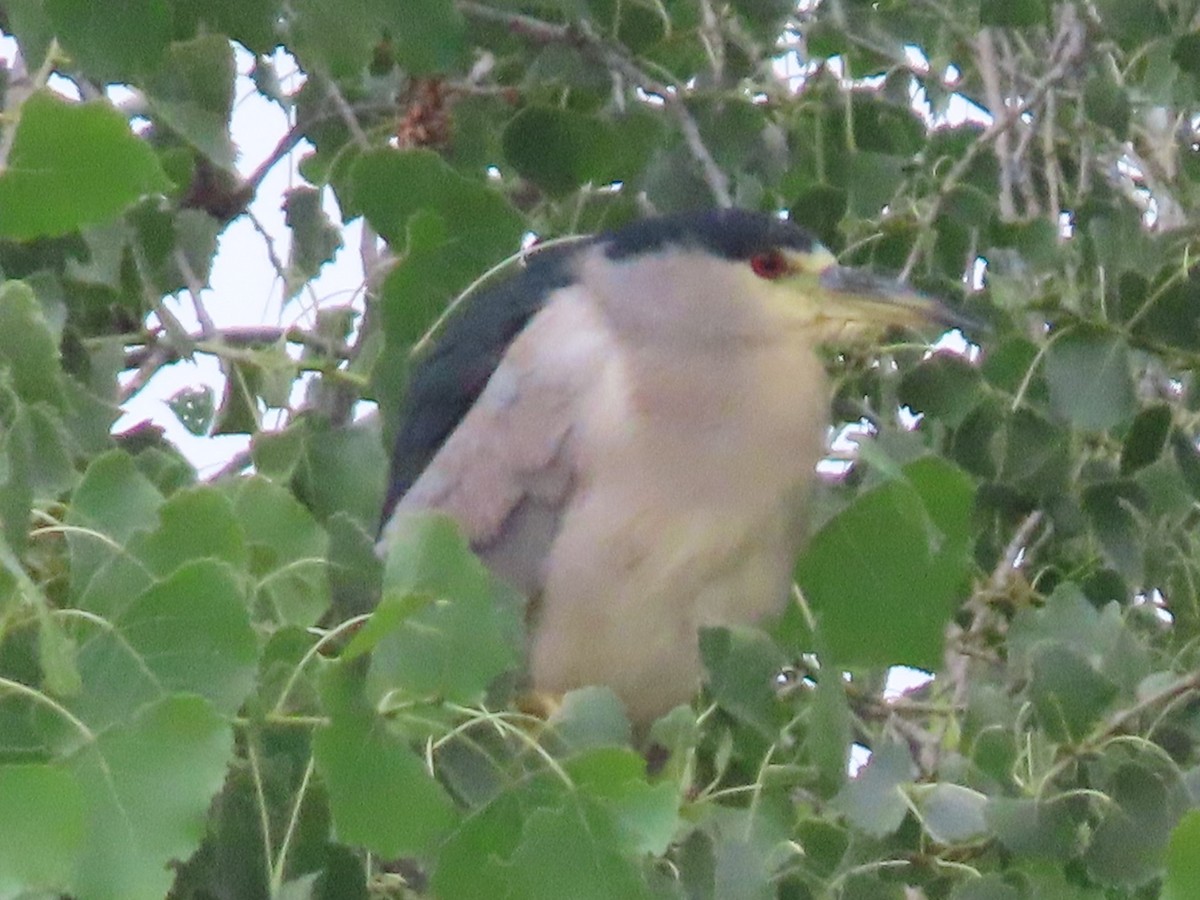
(889, 301)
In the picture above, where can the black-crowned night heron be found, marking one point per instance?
(627, 431)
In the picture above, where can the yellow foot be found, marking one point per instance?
(539, 703)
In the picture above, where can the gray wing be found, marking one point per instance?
(507, 471)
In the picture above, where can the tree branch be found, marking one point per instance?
(236, 338)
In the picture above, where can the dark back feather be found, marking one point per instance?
(447, 380)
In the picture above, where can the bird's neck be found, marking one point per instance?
(724, 382)
(765, 404)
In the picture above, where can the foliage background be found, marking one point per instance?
(194, 697)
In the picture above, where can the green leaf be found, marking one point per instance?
(427, 36)
(1120, 244)
(1037, 242)
(824, 843)
(51, 187)
(354, 569)
(1187, 457)
(1186, 53)
(565, 852)
(898, 555)
(819, 209)
(1037, 828)
(288, 550)
(421, 37)
(112, 503)
(1101, 637)
(750, 847)
(239, 411)
(1109, 507)
(741, 665)
(192, 95)
(945, 386)
(1013, 13)
(189, 633)
(28, 347)
(559, 150)
(343, 471)
(381, 795)
(1107, 103)
(120, 42)
(37, 455)
(1146, 439)
(994, 752)
(1091, 385)
(1069, 695)
(194, 408)
(147, 783)
(194, 523)
(1182, 880)
(647, 816)
(277, 454)
(546, 839)
(43, 806)
(161, 233)
(57, 656)
(1130, 843)
(590, 717)
(315, 239)
(950, 813)
(873, 801)
(830, 731)
(871, 180)
(1132, 24)
(456, 627)
(29, 23)
(334, 38)
(252, 23)
(391, 187)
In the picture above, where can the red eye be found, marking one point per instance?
(770, 265)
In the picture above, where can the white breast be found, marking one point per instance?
(684, 515)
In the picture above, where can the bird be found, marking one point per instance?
(627, 432)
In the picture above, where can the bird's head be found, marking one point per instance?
(734, 275)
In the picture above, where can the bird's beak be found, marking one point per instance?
(862, 297)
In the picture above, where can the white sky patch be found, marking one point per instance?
(902, 679)
(954, 341)
(63, 87)
(975, 279)
(859, 757)
(909, 420)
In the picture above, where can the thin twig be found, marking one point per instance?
(346, 111)
(985, 54)
(1069, 45)
(297, 133)
(154, 359)
(194, 288)
(713, 39)
(237, 464)
(269, 241)
(1011, 559)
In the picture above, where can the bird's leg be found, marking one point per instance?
(542, 704)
